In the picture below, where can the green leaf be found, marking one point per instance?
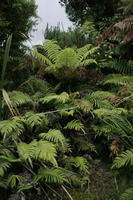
(51, 175)
(14, 180)
(6, 57)
(75, 125)
(54, 136)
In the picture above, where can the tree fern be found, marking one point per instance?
(124, 159)
(62, 63)
(52, 49)
(67, 57)
(75, 125)
(88, 62)
(43, 60)
(51, 175)
(85, 51)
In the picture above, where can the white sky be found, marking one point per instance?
(52, 13)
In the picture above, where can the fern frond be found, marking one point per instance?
(40, 58)
(35, 85)
(19, 98)
(4, 165)
(127, 195)
(82, 52)
(3, 183)
(24, 187)
(41, 150)
(75, 125)
(102, 130)
(88, 62)
(11, 127)
(65, 113)
(102, 95)
(54, 136)
(121, 66)
(52, 49)
(51, 175)
(124, 159)
(117, 79)
(13, 180)
(61, 98)
(81, 163)
(115, 120)
(67, 57)
(45, 151)
(37, 120)
(73, 178)
(102, 99)
(26, 151)
(84, 105)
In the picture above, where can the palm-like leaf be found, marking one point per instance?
(61, 63)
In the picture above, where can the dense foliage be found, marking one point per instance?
(67, 125)
(81, 10)
(70, 38)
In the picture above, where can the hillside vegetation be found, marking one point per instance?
(66, 107)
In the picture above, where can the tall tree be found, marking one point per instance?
(80, 10)
(17, 17)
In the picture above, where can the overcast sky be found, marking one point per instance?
(52, 13)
